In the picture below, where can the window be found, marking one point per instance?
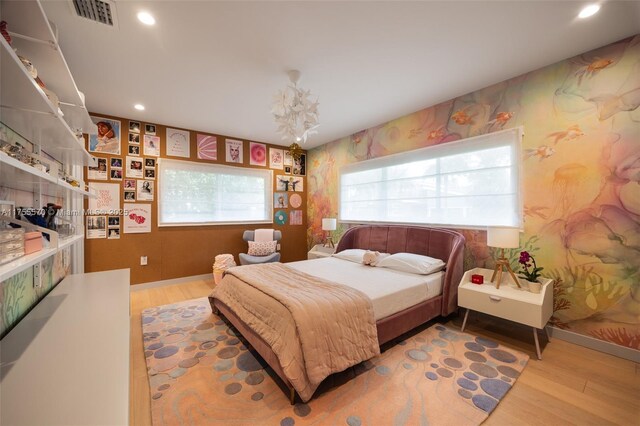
(469, 183)
(208, 194)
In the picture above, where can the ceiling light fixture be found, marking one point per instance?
(146, 18)
(139, 107)
(590, 10)
(295, 113)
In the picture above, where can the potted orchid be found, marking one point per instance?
(530, 270)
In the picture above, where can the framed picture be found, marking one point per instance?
(152, 145)
(134, 138)
(107, 197)
(129, 184)
(233, 150)
(134, 150)
(288, 159)
(289, 183)
(139, 218)
(134, 126)
(300, 165)
(96, 227)
(280, 200)
(99, 172)
(207, 147)
(178, 143)
(287, 170)
(145, 190)
(114, 234)
(107, 140)
(257, 154)
(276, 158)
(149, 173)
(150, 129)
(130, 195)
(134, 167)
(114, 221)
(149, 163)
(116, 174)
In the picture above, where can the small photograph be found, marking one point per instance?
(134, 138)
(299, 165)
(114, 234)
(145, 190)
(150, 129)
(134, 126)
(129, 195)
(150, 173)
(280, 200)
(129, 184)
(116, 174)
(114, 221)
(287, 170)
(288, 158)
(116, 163)
(96, 227)
(149, 163)
(134, 150)
(134, 167)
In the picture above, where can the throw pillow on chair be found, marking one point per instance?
(264, 248)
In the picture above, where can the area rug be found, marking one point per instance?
(202, 372)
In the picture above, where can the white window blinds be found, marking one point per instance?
(205, 194)
(470, 183)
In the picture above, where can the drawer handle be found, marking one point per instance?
(495, 298)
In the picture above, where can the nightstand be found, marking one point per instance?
(507, 302)
(319, 251)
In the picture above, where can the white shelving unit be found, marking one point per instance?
(26, 110)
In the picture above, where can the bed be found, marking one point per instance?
(418, 299)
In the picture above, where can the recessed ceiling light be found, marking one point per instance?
(590, 10)
(146, 18)
(139, 107)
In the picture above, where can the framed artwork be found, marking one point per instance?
(288, 158)
(114, 221)
(289, 183)
(276, 158)
(134, 150)
(287, 170)
(137, 218)
(107, 140)
(257, 154)
(150, 129)
(107, 197)
(134, 138)
(116, 162)
(99, 172)
(295, 200)
(178, 143)
(149, 163)
(280, 200)
(145, 190)
(96, 227)
(130, 196)
(149, 173)
(114, 234)
(233, 149)
(134, 126)
(207, 147)
(129, 184)
(134, 167)
(152, 145)
(116, 174)
(295, 217)
(300, 165)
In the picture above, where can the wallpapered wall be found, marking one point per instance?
(18, 295)
(581, 174)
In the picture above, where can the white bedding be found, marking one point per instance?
(390, 291)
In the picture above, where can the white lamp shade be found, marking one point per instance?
(503, 237)
(329, 224)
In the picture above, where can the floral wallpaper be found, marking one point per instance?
(581, 178)
(18, 295)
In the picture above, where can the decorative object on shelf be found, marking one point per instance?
(477, 279)
(5, 32)
(28, 65)
(503, 237)
(527, 261)
(328, 225)
(32, 242)
(294, 112)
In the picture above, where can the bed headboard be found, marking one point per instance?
(435, 242)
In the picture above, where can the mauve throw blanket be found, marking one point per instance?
(315, 327)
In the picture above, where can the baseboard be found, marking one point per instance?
(153, 284)
(595, 344)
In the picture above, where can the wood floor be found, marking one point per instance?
(571, 385)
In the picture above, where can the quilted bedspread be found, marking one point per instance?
(315, 327)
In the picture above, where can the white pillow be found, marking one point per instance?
(352, 255)
(413, 263)
(261, 248)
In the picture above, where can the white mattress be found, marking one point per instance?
(390, 291)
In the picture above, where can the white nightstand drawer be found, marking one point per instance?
(500, 306)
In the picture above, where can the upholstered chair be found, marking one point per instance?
(246, 259)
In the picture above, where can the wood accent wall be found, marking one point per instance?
(183, 251)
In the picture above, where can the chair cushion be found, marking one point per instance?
(245, 259)
(263, 248)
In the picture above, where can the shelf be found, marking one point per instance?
(15, 174)
(15, 267)
(26, 110)
(27, 18)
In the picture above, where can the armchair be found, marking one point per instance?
(246, 259)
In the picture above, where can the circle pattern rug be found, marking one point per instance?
(201, 371)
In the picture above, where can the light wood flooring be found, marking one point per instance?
(571, 385)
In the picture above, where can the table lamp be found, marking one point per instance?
(503, 237)
(329, 224)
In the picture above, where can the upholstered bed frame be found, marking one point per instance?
(439, 243)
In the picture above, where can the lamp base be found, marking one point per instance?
(329, 243)
(503, 264)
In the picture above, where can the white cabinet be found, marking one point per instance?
(50, 128)
(319, 251)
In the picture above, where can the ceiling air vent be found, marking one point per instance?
(103, 12)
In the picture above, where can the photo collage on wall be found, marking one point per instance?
(132, 171)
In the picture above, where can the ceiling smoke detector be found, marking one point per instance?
(103, 12)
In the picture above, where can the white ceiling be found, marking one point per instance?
(215, 66)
